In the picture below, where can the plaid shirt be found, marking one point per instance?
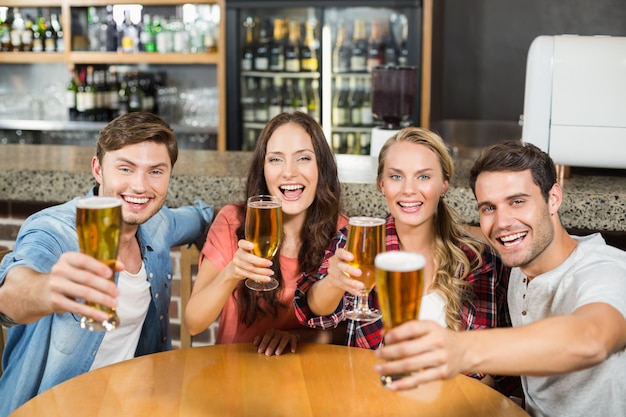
(488, 307)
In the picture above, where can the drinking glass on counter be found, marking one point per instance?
(264, 228)
(366, 239)
(400, 284)
(98, 225)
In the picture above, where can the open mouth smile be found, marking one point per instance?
(513, 239)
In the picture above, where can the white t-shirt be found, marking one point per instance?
(433, 308)
(594, 272)
(121, 343)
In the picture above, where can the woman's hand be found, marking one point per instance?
(340, 272)
(275, 341)
(247, 265)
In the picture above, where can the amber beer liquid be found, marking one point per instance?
(366, 239)
(98, 224)
(264, 227)
(400, 285)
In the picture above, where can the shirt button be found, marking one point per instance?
(524, 313)
(151, 275)
(161, 317)
(156, 295)
(523, 296)
(524, 281)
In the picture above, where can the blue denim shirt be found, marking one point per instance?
(53, 349)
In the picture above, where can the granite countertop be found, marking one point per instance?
(56, 173)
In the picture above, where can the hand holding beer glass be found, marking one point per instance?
(400, 285)
(366, 239)
(264, 228)
(98, 225)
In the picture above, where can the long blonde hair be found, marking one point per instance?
(452, 265)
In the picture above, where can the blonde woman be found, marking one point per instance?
(465, 282)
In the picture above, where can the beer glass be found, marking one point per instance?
(98, 224)
(400, 284)
(264, 228)
(366, 239)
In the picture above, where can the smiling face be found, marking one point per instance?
(290, 167)
(412, 181)
(137, 174)
(516, 219)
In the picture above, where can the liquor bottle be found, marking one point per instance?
(262, 55)
(261, 108)
(113, 90)
(376, 50)
(147, 41)
(164, 38)
(292, 49)
(59, 40)
(352, 144)
(27, 36)
(17, 28)
(299, 96)
(367, 119)
(342, 51)
(308, 52)
(340, 106)
(39, 34)
(358, 60)
(354, 103)
(129, 34)
(93, 29)
(390, 44)
(146, 84)
(112, 34)
(247, 56)
(248, 100)
(70, 96)
(100, 95)
(275, 106)
(50, 40)
(288, 96)
(403, 55)
(365, 139)
(313, 99)
(85, 98)
(277, 54)
(135, 99)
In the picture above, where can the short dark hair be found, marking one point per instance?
(515, 155)
(136, 127)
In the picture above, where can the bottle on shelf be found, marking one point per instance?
(164, 38)
(292, 49)
(85, 96)
(342, 51)
(261, 108)
(50, 40)
(129, 34)
(390, 44)
(313, 99)
(147, 41)
(299, 96)
(135, 98)
(112, 34)
(27, 36)
(113, 88)
(17, 28)
(101, 96)
(376, 50)
(59, 41)
(277, 49)
(308, 52)
(289, 96)
(340, 106)
(275, 106)
(123, 101)
(70, 96)
(94, 30)
(354, 103)
(248, 100)
(39, 34)
(403, 54)
(358, 59)
(367, 119)
(262, 54)
(247, 57)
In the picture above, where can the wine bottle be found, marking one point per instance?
(135, 99)
(123, 95)
(340, 106)
(50, 40)
(27, 36)
(342, 52)
(130, 34)
(247, 56)
(262, 55)
(376, 50)
(113, 87)
(261, 111)
(313, 99)
(367, 119)
(39, 34)
(248, 100)
(277, 49)
(70, 95)
(358, 60)
(292, 49)
(275, 106)
(299, 96)
(390, 45)
(308, 52)
(17, 28)
(147, 36)
(354, 103)
(288, 96)
(59, 41)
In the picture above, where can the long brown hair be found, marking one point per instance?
(450, 236)
(320, 224)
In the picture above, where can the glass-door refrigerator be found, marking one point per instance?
(316, 57)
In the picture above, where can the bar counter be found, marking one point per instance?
(56, 173)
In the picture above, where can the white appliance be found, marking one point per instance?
(575, 99)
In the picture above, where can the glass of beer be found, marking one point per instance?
(366, 239)
(98, 225)
(264, 228)
(400, 284)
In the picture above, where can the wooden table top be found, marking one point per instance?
(234, 380)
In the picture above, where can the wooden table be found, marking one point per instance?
(234, 380)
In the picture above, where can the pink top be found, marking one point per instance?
(219, 249)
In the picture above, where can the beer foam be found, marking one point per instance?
(365, 221)
(399, 261)
(97, 202)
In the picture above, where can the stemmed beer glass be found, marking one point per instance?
(264, 228)
(366, 239)
(98, 225)
(400, 285)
